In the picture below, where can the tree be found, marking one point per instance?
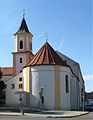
(2, 83)
(2, 87)
(0, 73)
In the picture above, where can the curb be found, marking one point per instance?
(67, 116)
(42, 115)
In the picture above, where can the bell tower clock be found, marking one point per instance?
(22, 54)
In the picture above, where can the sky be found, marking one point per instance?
(67, 24)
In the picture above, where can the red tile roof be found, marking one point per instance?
(31, 56)
(7, 71)
(47, 56)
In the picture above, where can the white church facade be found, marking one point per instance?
(49, 79)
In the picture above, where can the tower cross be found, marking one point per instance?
(46, 37)
(23, 12)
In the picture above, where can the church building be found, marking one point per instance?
(47, 79)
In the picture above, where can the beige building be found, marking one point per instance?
(48, 78)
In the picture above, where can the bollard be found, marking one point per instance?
(21, 109)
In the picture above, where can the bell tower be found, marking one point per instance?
(22, 54)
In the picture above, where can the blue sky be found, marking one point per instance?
(68, 24)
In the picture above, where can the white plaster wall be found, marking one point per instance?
(43, 76)
(15, 44)
(25, 83)
(11, 97)
(4, 77)
(19, 65)
(27, 43)
(74, 95)
(65, 97)
(24, 76)
(76, 87)
(80, 95)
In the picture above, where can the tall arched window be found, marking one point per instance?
(21, 44)
(67, 83)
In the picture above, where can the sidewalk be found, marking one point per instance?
(48, 114)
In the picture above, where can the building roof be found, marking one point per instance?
(46, 56)
(7, 71)
(23, 27)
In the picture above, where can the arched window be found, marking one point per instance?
(20, 60)
(67, 83)
(21, 44)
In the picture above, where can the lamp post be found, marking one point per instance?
(20, 93)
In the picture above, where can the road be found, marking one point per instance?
(84, 117)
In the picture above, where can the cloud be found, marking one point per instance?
(88, 77)
(61, 44)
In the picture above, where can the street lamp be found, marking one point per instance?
(20, 93)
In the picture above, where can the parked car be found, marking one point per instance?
(89, 107)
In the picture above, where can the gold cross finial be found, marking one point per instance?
(23, 12)
(46, 37)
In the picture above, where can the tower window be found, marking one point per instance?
(21, 44)
(20, 79)
(20, 86)
(67, 83)
(20, 60)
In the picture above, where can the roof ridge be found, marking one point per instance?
(51, 55)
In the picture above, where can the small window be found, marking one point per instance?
(20, 86)
(20, 60)
(21, 44)
(67, 83)
(20, 79)
(12, 86)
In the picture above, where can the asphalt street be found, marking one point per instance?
(84, 117)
